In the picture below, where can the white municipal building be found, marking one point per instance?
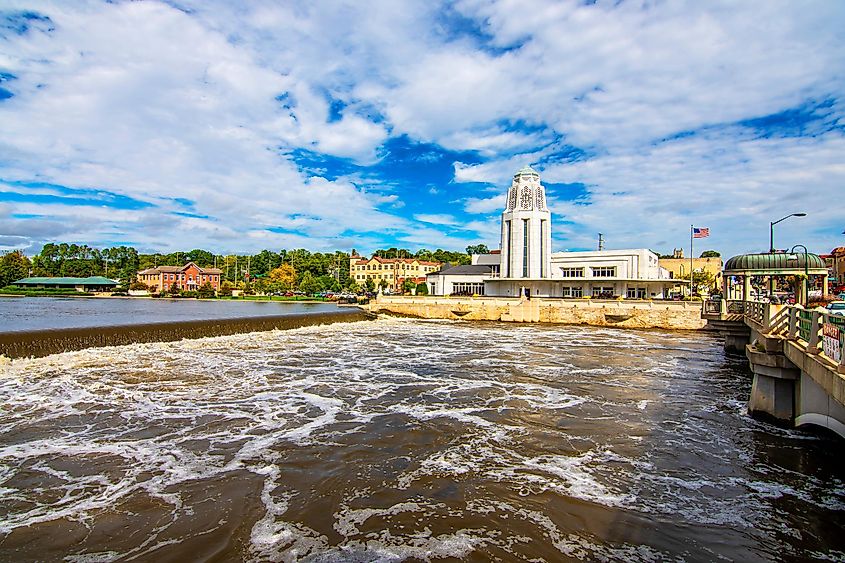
(526, 265)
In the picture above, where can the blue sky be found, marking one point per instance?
(183, 124)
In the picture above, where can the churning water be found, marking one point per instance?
(407, 440)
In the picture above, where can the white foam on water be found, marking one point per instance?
(516, 406)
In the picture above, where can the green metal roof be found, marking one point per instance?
(527, 170)
(93, 280)
(774, 263)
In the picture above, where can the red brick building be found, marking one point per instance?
(188, 277)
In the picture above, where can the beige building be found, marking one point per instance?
(679, 267)
(393, 271)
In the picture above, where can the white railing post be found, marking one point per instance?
(840, 367)
(815, 328)
(793, 321)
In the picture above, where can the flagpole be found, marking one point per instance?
(690, 261)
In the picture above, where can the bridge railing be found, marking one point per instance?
(736, 306)
(820, 331)
(721, 307)
(757, 312)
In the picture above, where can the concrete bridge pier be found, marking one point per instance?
(773, 387)
(794, 381)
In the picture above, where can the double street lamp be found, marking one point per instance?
(772, 228)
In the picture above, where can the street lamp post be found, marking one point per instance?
(805, 288)
(772, 228)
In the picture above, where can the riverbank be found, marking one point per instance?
(38, 343)
(671, 315)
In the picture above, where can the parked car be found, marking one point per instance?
(836, 308)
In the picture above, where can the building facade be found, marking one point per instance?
(837, 266)
(679, 267)
(527, 267)
(188, 277)
(526, 229)
(465, 280)
(392, 271)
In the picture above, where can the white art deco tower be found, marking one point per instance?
(526, 229)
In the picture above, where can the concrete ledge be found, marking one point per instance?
(762, 358)
(818, 367)
(622, 314)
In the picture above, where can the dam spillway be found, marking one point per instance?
(43, 342)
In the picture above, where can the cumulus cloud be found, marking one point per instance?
(668, 113)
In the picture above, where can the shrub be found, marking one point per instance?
(205, 291)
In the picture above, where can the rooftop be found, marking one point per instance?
(774, 263)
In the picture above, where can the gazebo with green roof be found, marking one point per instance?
(96, 283)
(773, 265)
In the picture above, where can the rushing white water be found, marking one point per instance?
(404, 439)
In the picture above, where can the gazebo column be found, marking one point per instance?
(746, 287)
(824, 287)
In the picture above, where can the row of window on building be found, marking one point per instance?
(608, 292)
(596, 272)
(172, 277)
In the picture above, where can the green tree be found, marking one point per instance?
(308, 284)
(205, 291)
(13, 266)
(201, 258)
(370, 285)
(262, 286)
(701, 280)
(477, 249)
(422, 288)
(710, 254)
(408, 286)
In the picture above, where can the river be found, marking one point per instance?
(36, 313)
(407, 439)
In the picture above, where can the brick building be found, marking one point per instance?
(188, 277)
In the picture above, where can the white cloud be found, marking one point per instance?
(437, 219)
(149, 101)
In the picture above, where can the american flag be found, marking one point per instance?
(700, 232)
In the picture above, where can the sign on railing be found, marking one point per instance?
(831, 341)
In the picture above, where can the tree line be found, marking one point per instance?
(268, 270)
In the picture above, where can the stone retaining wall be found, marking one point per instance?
(622, 314)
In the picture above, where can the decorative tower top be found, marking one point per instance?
(526, 193)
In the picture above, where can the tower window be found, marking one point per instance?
(542, 230)
(525, 199)
(508, 246)
(525, 248)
